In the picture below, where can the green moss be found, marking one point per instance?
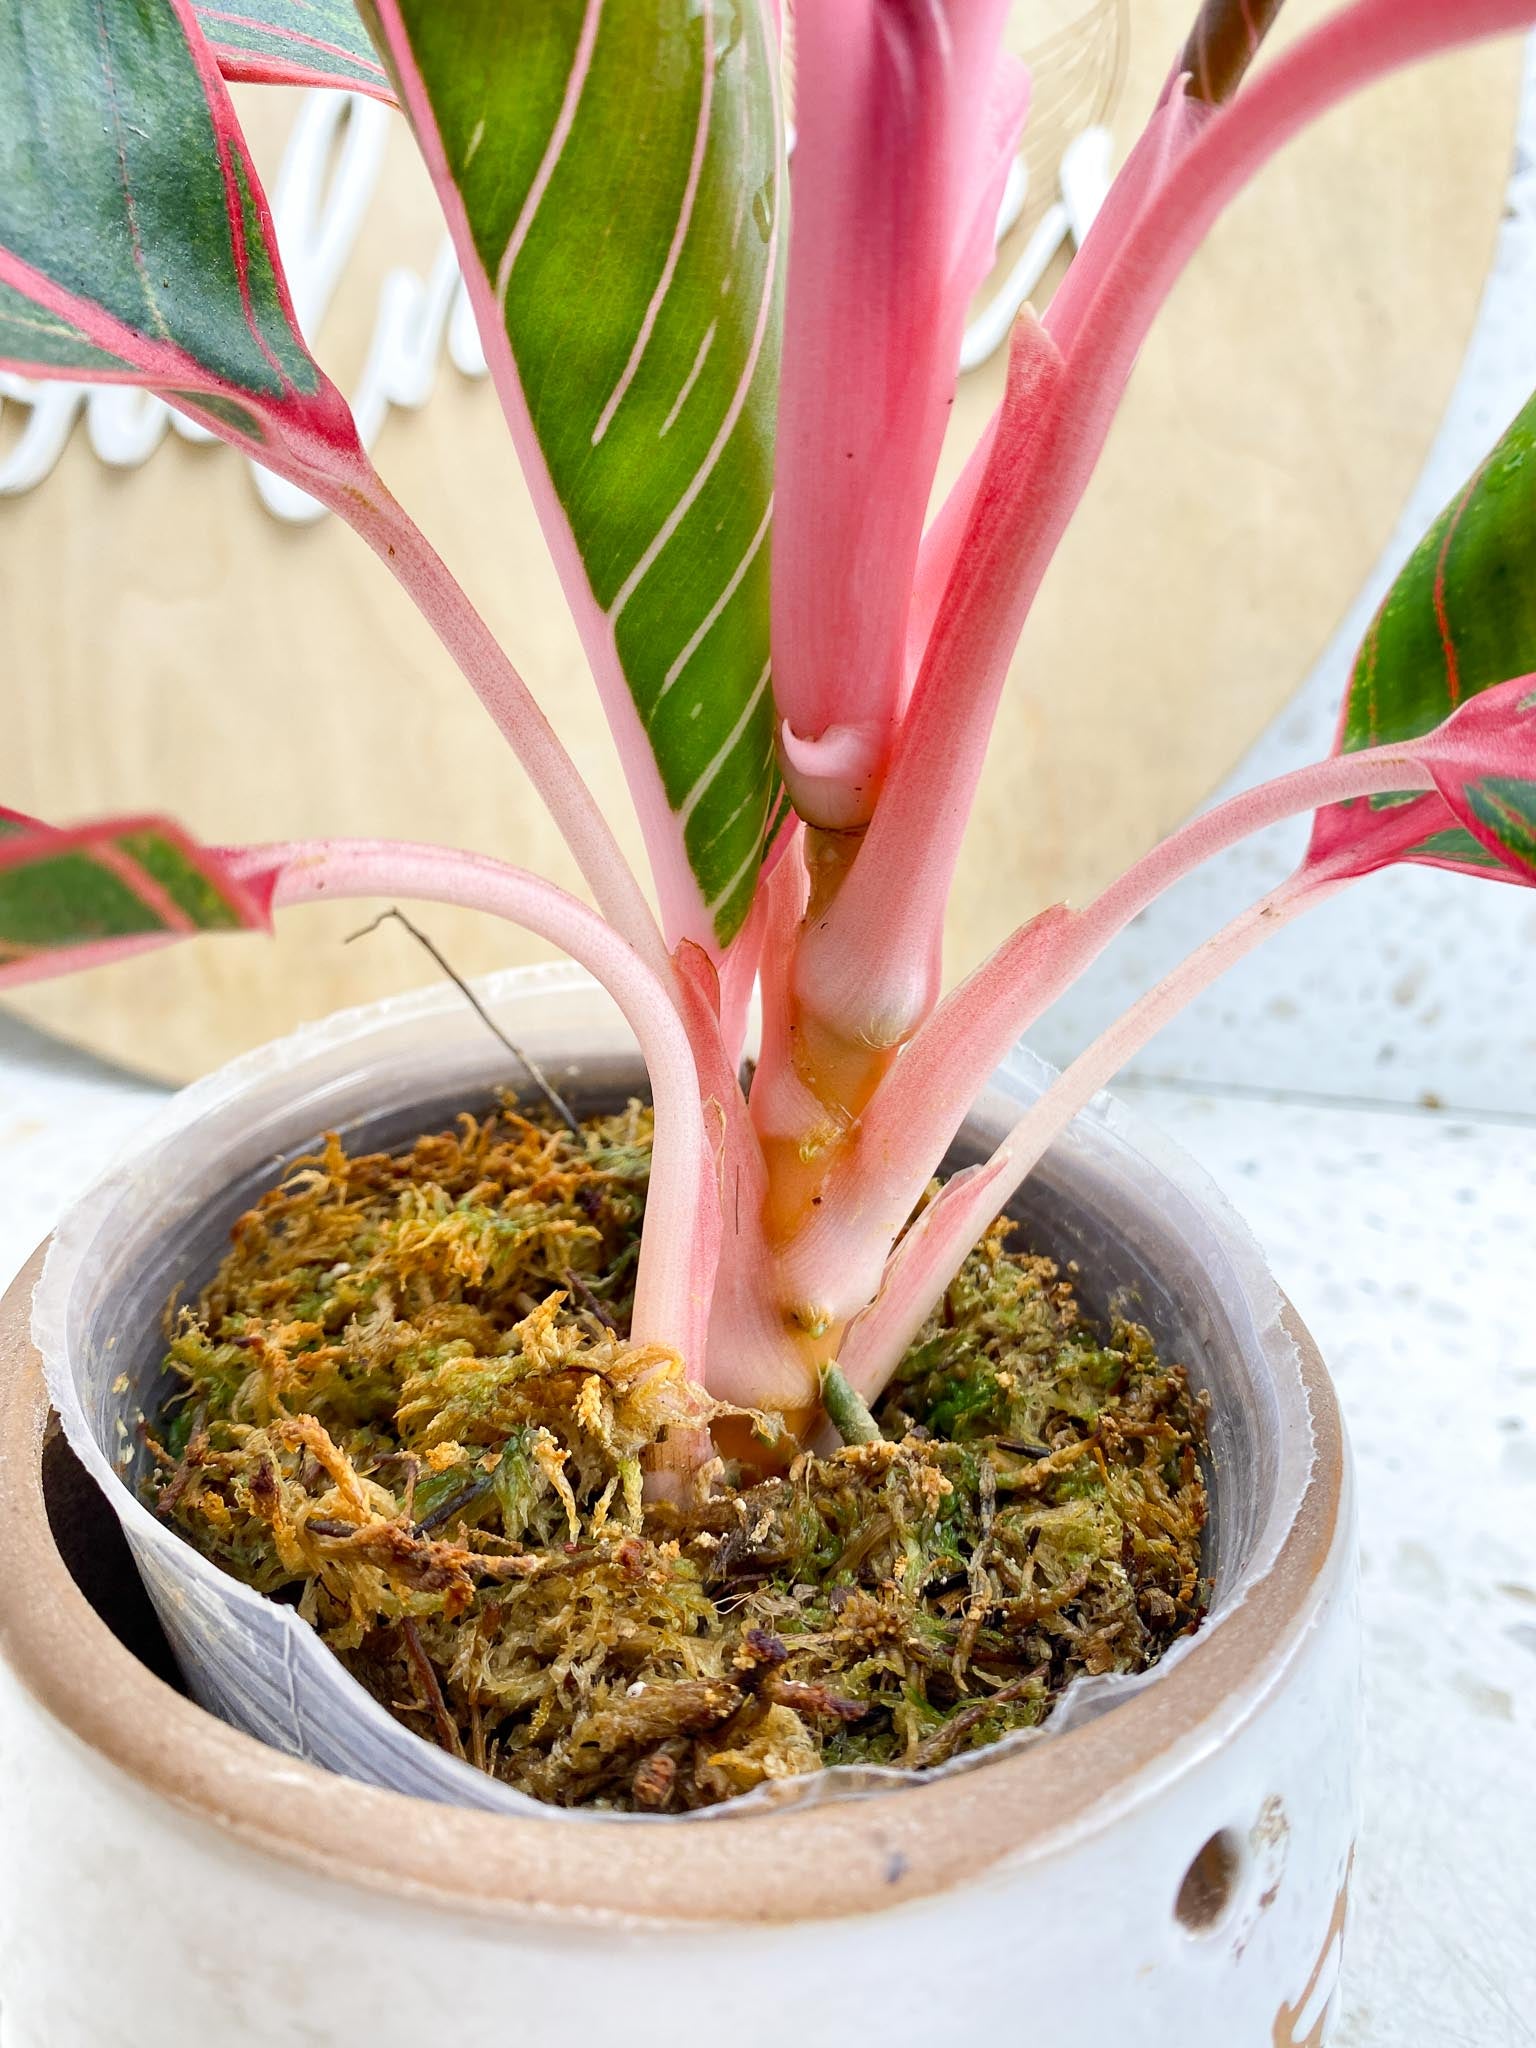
(411, 1408)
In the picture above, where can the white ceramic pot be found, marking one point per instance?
(1170, 1870)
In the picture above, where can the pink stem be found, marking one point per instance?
(868, 969)
(742, 963)
(888, 903)
(1174, 120)
(782, 1105)
(375, 515)
(897, 156)
(1361, 43)
(680, 1237)
(929, 1257)
(751, 1358)
(878, 1180)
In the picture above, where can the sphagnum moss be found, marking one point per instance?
(410, 1408)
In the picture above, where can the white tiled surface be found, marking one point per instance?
(62, 1116)
(1408, 1242)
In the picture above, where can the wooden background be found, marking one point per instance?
(168, 644)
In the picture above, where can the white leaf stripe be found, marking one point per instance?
(581, 64)
(717, 447)
(701, 631)
(726, 748)
(690, 380)
(752, 801)
(738, 219)
(749, 864)
(727, 427)
(679, 236)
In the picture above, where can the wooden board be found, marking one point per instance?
(169, 644)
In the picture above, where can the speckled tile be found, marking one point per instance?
(62, 1117)
(1408, 1243)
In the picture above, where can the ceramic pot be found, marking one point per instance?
(1170, 1868)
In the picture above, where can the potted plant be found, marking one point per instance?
(703, 1466)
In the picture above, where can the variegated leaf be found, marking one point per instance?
(1483, 760)
(135, 240)
(612, 175)
(1504, 808)
(294, 42)
(1462, 614)
(1458, 625)
(78, 898)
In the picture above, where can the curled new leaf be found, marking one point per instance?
(906, 121)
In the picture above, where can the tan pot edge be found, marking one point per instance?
(848, 1857)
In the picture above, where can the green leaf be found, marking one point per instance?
(613, 178)
(1455, 848)
(76, 898)
(1462, 614)
(1506, 809)
(294, 42)
(135, 241)
(1451, 641)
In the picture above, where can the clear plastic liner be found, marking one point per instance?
(1149, 1231)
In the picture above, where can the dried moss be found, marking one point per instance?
(410, 1408)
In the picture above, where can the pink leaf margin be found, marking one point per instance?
(1491, 734)
(309, 438)
(310, 61)
(247, 897)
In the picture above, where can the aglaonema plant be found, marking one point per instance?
(728, 386)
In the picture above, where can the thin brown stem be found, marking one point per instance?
(525, 1060)
(443, 1723)
(1223, 43)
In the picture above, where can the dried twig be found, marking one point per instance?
(530, 1066)
(944, 1741)
(590, 1301)
(426, 1677)
(981, 1595)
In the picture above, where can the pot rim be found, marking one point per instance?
(859, 1853)
(819, 1861)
